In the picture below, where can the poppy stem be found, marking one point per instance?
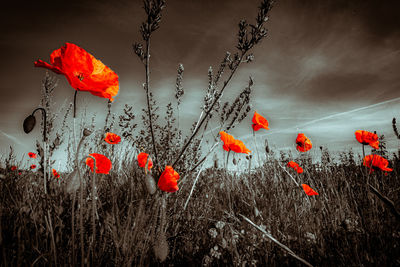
(44, 117)
(93, 211)
(149, 107)
(76, 92)
(363, 150)
(255, 144)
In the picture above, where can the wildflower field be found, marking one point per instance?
(141, 191)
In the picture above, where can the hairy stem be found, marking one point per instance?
(147, 67)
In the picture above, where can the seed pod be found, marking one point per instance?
(161, 247)
(29, 123)
(87, 132)
(150, 184)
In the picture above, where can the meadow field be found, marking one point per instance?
(345, 225)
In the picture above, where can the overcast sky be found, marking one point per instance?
(320, 60)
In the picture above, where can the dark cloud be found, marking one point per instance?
(340, 87)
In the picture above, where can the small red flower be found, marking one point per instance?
(33, 166)
(309, 191)
(112, 138)
(303, 143)
(367, 138)
(83, 71)
(168, 181)
(55, 173)
(259, 122)
(142, 160)
(13, 168)
(103, 164)
(19, 173)
(295, 166)
(32, 155)
(376, 162)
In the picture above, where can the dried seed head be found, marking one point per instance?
(29, 123)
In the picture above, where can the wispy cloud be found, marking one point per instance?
(12, 138)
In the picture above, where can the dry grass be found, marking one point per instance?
(345, 225)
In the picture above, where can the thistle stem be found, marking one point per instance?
(209, 110)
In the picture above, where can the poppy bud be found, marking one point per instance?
(267, 149)
(57, 141)
(87, 132)
(29, 123)
(150, 184)
(234, 161)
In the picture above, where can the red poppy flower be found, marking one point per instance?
(55, 173)
(13, 168)
(19, 173)
(376, 162)
(367, 138)
(32, 155)
(83, 71)
(303, 143)
(309, 191)
(112, 138)
(230, 143)
(227, 139)
(239, 147)
(142, 160)
(259, 122)
(168, 181)
(103, 164)
(295, 166)
(33, 166)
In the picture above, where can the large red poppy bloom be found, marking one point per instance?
(230, 143)
(83, 71)
(168, 181)
(112, 138)
(103, 164)
(259, 122)
(295, 166)
(303, 143)
(142, 160)
(55, 173)
(308, 190)
(376, 162)
(32, 155)
(367, 138)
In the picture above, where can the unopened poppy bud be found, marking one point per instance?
(29, 123)
(150, 184)
(267, 149)
(87, 132)
(57, 141)
(234, 161)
